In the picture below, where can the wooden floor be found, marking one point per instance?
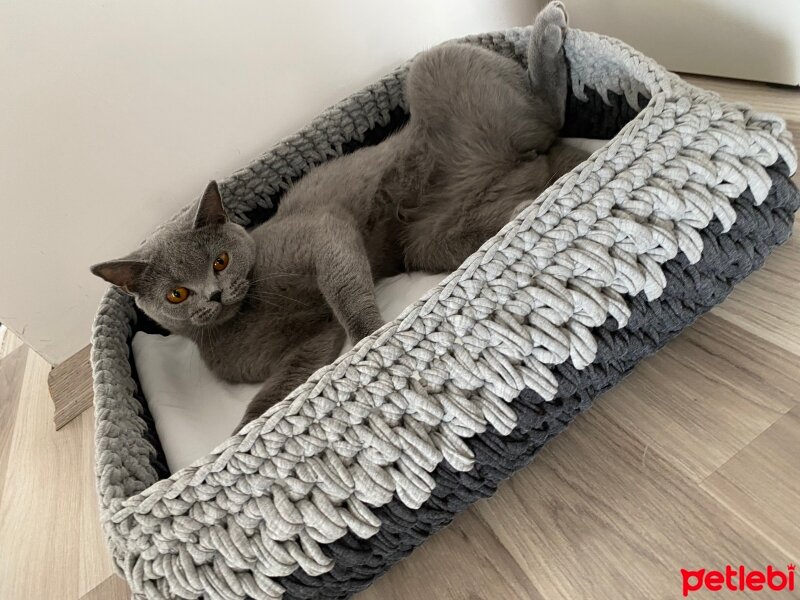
(693, 461)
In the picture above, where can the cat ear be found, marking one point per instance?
(210, 210)
(122, 273)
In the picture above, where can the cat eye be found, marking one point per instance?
(221, 262)
(178, 295)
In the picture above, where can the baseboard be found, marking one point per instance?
(70, 385)
(113, 588)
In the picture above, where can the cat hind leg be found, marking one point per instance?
(547, 64)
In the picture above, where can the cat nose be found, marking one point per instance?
(216, 296)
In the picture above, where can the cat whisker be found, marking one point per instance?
(274, 275)
(264, 294)
(275, 305)
(266, 300)
(278, 273)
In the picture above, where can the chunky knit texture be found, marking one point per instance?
(380, 449)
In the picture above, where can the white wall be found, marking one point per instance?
(114, 114)
(743, 39)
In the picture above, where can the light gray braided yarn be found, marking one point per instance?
(375, 424)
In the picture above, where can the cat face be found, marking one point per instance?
(192, 275)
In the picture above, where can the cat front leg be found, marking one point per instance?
(293, 368)
(344, 277)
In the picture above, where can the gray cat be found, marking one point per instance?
(273, 305)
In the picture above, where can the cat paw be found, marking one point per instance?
(550, 28)
(367, 325)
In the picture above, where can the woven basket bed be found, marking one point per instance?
(379, 450)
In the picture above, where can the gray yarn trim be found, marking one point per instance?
(371, 427)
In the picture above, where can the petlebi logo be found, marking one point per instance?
(738, 579)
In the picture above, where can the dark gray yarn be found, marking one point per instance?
(691, 291)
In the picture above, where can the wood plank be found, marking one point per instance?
(12, 369)
(705, 396)
(71, 387)
(94, 566)
(778, 99)
(766, 303)
(8, 341)
(41, 500)
(761, 484)
(598, 515)
(453, 565)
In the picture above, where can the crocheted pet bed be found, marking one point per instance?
(382, 448)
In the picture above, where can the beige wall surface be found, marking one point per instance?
(114, 114)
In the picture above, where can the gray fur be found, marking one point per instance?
(480, 140)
